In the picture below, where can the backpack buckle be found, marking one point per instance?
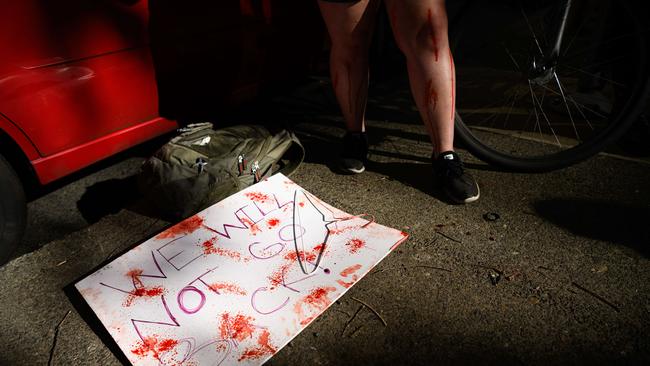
(200, 163)
(241, 164)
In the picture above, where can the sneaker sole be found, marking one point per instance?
(466, 200)
(353, 171)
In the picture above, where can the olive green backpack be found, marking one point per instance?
(202, 166)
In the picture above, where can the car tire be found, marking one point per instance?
(13, 210)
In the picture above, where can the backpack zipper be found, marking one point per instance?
(241, 164)
(255, 170)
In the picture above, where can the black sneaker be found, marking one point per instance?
(355, 153)
(459, 185)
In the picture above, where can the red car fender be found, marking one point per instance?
(19, 137)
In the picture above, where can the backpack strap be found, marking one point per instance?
(295, 155)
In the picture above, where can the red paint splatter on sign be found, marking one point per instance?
(318, 298)
(272, 223)
(346, 284)
(264, 348)
(293, 255)
(277, 277)
(238, 327)
(251, 225)
(257, 196)
(154, 346)
(227, 288)
(210, 248)
(350, 270)
(307, 320)
(139, 288)
(319, 247)
(354, 245)
(185, 227)
(301, 204)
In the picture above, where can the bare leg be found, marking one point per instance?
(350, 28)
(420, 28)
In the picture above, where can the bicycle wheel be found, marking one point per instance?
(516, 115)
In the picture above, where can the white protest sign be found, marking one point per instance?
(236, 282)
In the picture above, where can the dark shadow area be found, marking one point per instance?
(108, 197)
(93, 322)
(210, 55)
(600, 220)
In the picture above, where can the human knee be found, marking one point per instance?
(429, 37)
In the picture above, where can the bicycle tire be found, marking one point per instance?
(475, 138)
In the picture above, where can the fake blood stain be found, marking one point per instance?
(350, 270)
(185, 227)
(354, 245)
(452, 71)
(277, 277)
(347, 272)
(140, 290)
(257, 196)
(227, 288)
(238, 327)
(272, 223)
(264, 348)
(293, 255)
(318, 298)
(209, 247)
(430, 96)
(251, 225)
(154, 346)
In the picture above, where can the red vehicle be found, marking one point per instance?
(78, 82)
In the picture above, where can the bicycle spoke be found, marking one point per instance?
(548, 122)
(568, 109)
(582, 114)
(582, 105)
(511, 57)
(514, 99)
(594, 75)
(537, 124)
(530, 27)
(566, 50)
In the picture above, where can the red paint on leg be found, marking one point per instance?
(452, 71)
(430, 96)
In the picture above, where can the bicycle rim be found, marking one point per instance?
(510, 116)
